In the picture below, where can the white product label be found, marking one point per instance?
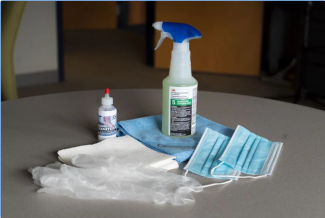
(107, 123)
(182, 110)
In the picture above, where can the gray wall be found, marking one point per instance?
(36, 49)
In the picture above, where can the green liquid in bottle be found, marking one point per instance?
(175, 82)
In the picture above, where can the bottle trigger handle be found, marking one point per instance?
(163, 35)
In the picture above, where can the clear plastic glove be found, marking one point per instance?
(115, 178)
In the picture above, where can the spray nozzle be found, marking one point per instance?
(179, 32)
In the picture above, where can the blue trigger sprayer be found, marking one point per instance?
(180, 87)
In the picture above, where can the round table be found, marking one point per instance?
(35, 128)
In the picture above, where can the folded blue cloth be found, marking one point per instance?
(147, 130)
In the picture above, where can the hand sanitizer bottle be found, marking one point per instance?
(106, 118)
(180, 87)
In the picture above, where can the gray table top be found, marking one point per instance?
(34, 129)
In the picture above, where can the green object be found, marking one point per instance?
(180, 87)
(10, 20)
(186, 102)
(179, 109)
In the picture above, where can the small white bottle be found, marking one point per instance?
(106, 118)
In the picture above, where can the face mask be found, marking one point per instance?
(251, 154)
(205, 159)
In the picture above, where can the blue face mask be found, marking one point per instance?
(205, 159)
(250, 153)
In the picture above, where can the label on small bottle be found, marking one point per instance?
(182, 110)
(107, 123)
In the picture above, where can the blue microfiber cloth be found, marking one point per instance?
(147, 130)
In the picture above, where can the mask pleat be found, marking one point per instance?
(259, 157)
(220, 152)
(235, 148)
(223, 147)
(205, 149)
(222, 169)
(208, 163)
(245, 151)
(251, 153)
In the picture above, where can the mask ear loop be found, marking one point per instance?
(230, 180)
(213, 184)
(229, 176)
(220, 183)
(251, 177)
(240, 177)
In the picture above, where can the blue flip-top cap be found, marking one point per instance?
(181, 31)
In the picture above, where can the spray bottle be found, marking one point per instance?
(106, 118)
(180, 87)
